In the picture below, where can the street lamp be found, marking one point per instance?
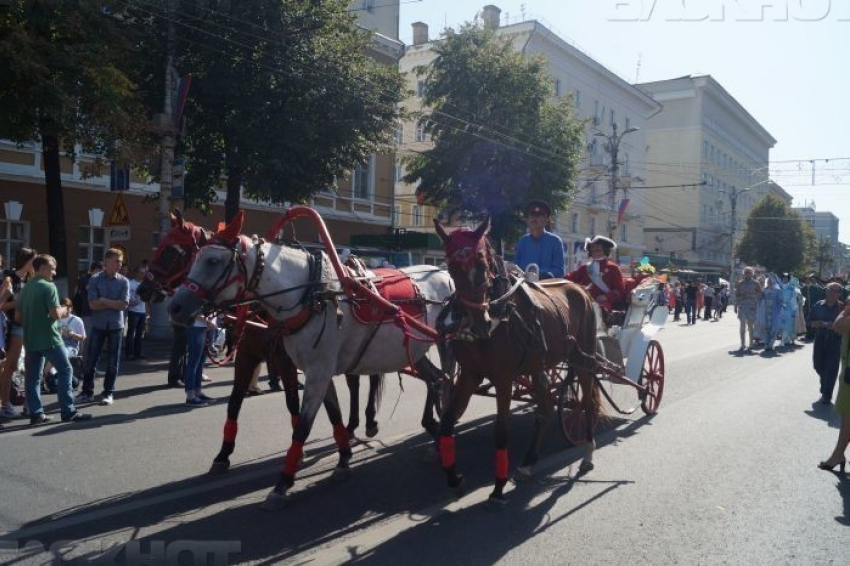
(733, 195)
(612, 147)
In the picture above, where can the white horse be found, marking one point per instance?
(321, 334)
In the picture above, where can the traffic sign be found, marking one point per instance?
(118, 234)
(119, 216)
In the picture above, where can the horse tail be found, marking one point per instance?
(377, 381)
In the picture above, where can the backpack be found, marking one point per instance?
(80, 300)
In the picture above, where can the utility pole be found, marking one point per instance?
(159, 322)
(612, 148)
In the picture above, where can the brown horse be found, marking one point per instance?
(256, 344)
(512, 328)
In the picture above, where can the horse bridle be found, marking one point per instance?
(478, 297)
(234, 272)
(163, 280)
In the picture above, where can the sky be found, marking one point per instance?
(787, 63)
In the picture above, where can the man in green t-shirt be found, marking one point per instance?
(37, 311)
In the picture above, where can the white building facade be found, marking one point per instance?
(601, 98)
(704, 151)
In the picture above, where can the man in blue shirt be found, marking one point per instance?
(540, 247)
(109, 296)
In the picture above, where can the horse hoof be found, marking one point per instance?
(274, 502)
(496, 502)
(523, 473)
(460, 488)
(372, 431)
(341, 474)
(585, 467)
(219, 467)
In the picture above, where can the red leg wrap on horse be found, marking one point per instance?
(447, 451)
(293, 456)
(502, 464)
(294, 419)
(341, 436)
(230, 429)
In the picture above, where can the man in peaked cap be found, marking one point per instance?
(538, 246)
(601, 277)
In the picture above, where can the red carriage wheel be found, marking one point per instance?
(652, 377)
(571, 410)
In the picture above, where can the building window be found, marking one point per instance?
(592, 226)
(13, 236)
(417, 215)
(627, 166)
(399, 171)
(420, 134)
(421, 89)
(557, 87)
(578, 98)
(705, 149)
(362, 179)
(628, 122)
(613, 118)
(574, 223)
(624, 233)
(399, 134)
(396, 214)
(91, 243)
(597, 117)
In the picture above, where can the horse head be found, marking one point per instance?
(173, 258)
(217, 275)
(469, 259)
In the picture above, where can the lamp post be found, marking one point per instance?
(733, 195)
(612, 147)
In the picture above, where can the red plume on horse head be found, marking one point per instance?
(463, 237)
(230, 233)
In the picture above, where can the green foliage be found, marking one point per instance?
(775, 237)
(284, 98)
(500, 138)
(65, 71)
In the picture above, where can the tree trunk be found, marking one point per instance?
(57, 243)
(234, 192)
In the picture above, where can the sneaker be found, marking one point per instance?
(83, 398)
(40, 419)
(9, 412)
(196, 402)
(77, 417)
(107, 399)
(205, 398)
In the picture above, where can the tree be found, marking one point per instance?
(284, 98)
(65, 83)
(774, 237)
(499, 137)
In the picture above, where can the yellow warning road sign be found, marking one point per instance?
(119, 216)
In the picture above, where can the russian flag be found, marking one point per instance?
(623, 205)
(180, 100)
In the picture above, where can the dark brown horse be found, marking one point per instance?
(512, 328)
(256, 344)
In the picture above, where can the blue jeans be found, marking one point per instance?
(690, 311)
(196, 338)
(112, 339)
(58, 357)
(135, 329)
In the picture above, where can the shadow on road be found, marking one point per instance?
(824, 413)
(388, 481)
(844, 490)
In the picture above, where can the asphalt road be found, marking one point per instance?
(724, 474)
